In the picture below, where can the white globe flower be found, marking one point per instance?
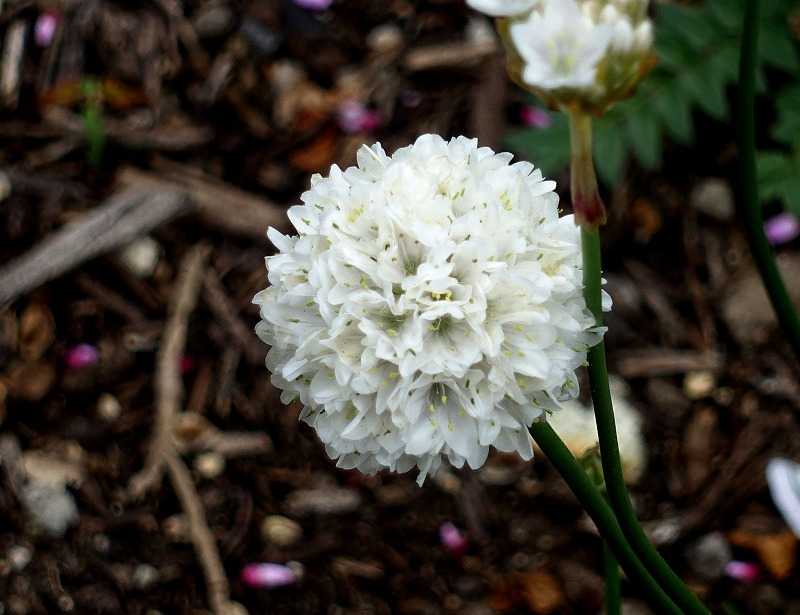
(430, 306)
(503, 8)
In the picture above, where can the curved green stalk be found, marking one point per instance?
(609, 448)
(613, 598)
(749, 205)
(597, 508)
(584, 190)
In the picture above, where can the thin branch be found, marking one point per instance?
(224, 309)
(169, 389)
(125, 216)
(204, 542)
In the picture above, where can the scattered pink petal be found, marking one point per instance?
(453, 539)
(535, 117)
(267, 575)
(782, 228)
(354, 117)
(187, 364)
(314, 5)
(80, 356)
(45, 28)
(744, 572)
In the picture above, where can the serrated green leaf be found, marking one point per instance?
(776, 48)
(674, 108)
(690, 22)
(645, 135)
(547, 148)
(706, 87)
(609, 148)
(787, 126)
(779, 178)
(728, 13)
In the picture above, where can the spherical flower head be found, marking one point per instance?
(580, 54)
(429, 307)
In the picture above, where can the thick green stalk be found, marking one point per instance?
(613, 596)
(600, 512)
(601, 394)
(749, 205)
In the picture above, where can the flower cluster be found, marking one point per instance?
(584, 53)
(430, 306)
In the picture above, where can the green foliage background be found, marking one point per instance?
(698, 52)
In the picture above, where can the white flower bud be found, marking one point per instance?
(584, 52)
(643, 36)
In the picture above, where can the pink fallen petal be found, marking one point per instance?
(782, 228)
(45, 28)
(267, 575)
(744, 572)
(535, 117)
(453, 539)
(80, 356)
(314, 5)
(354, 117)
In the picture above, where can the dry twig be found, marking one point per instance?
(225, 311)
(125, 216)
(219, 204)
(164, 452)
(168, 377)
(202, 538)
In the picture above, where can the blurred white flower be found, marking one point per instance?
(430, 306)
(503, 8)
(586, 52)
(561, 46)
(576, 425)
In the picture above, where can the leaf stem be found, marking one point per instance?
(748, 203)
(598, 509)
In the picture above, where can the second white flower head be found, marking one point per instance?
(585, 52)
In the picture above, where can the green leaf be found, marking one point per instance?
(547, 148)
(691, 22)
(728, 13)
(645, 134)
(779, 178)
(706, 86)
(609, 148)
(776, 48)
(787, 126)
(674, 107)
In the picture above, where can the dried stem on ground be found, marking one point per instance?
(168, 377)
(125, 216)
(164, 451)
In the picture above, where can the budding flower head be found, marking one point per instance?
(429, 307)
(579, 54)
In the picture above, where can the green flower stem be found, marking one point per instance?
(584, 185)
(600, 512)
(586, 202)
(613, 597)
(749, 205)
